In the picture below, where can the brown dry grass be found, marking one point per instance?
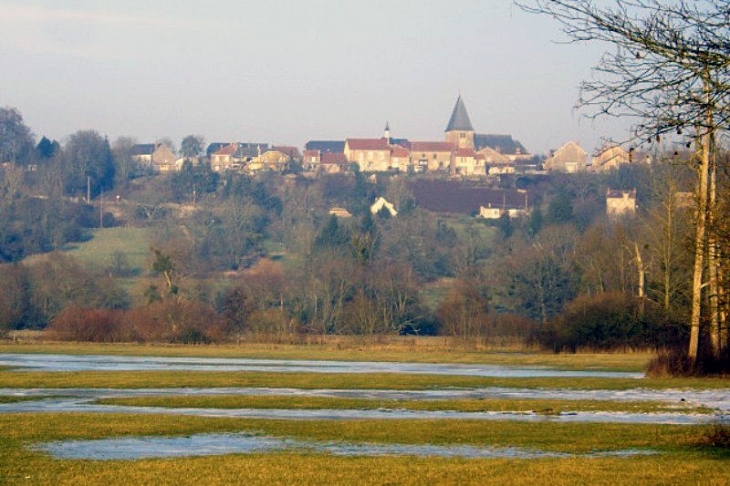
(352, 348)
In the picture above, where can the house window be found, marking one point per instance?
(435, 156)
(462, 135)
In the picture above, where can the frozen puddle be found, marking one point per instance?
(57, 362)
(132, 448)
(718, 399)
(84, 400)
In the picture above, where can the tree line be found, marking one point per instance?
(235, 255)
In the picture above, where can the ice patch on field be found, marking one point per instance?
(133, 448)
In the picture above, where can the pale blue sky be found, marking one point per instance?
(288, 71)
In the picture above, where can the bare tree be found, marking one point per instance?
(669, 70)
(665, 226)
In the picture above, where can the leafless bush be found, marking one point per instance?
(177, 321)
(93, 325)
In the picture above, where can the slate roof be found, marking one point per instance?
(143, 149)
(504, 144)
(459, 118)
(403, 142)
(334, 146)
(251, 149)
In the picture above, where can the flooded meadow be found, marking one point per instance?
(91, 400)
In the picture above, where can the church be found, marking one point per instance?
(463, 151)
(461, 133)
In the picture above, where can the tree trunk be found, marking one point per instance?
(722, 297)
(704, 137)
(642, 278)
(713, 260)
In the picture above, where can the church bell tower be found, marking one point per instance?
(459, 131)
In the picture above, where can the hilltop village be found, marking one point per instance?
(463, 154)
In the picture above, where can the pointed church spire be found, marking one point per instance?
(459, 118)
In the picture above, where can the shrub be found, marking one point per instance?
(611, 321)
(94, 325)
(465, 312)
(177, 321)
(676, 362)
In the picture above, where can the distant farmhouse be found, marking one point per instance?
(610, 158)
(620, 203)
(371, 154)
(613, 156)
(233, 156)
(327, 156)
(158, 156)
(570, 158)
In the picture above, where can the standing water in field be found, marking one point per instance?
(84, 399)
(132, 448)
(56, 362)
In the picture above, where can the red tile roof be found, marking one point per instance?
(432, 147)
(333, 158)
(399, 151)
(367, 144)
(465, 152)
(229, 149)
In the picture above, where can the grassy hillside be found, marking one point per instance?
(103, 249)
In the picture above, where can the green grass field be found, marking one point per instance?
(545, 407)
(683, 457)
(339, 381)
(99, 251)
(681, 454)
